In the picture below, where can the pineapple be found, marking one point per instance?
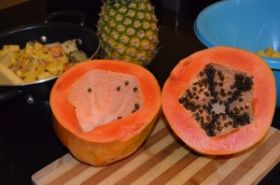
(127, 30)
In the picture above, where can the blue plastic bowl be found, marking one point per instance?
(252, 25)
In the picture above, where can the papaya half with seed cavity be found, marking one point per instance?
(220, 100)
(103, 110)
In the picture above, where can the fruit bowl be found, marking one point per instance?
(252, 25)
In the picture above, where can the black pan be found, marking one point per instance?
(48, 32)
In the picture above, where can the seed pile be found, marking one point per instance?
(100, 97)
(220, 99)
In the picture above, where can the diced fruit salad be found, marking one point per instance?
(269, 52)
(38, 61)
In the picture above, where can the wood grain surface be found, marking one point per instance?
(163, 159)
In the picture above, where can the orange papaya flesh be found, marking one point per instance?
(117, 139)
(220, 100)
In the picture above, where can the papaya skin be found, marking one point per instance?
(186, 127)
(101, 154)
(112, 142)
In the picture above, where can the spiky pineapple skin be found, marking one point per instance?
(128, 30)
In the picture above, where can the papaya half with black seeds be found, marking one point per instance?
(103, 110)
(220, 100)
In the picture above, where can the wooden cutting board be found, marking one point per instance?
(165, 160)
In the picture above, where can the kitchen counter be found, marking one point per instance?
(27, 139)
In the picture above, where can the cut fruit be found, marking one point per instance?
(103, 110)
(8, 77)
(96, 104)
(220, 100)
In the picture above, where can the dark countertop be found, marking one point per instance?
(27, 139)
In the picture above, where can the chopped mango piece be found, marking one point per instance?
(34, 62)
(275, 55)
(269, 52)
(261, 53)
(8, 77)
